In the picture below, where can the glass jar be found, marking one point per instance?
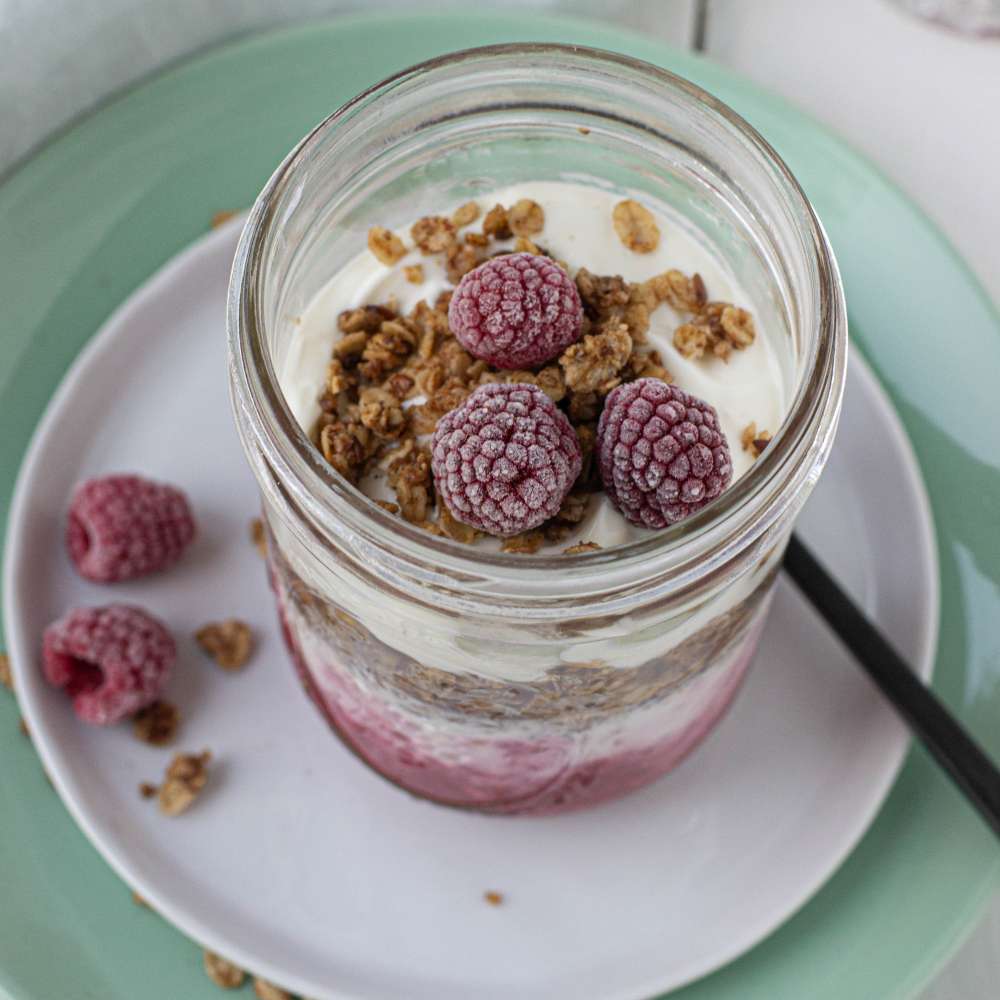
(517, 683)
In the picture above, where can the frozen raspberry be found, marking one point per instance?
(660, 452)
(125, 526)
(516, 311)
(111, 661)
(505, 459)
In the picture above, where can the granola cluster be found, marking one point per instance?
(393, 375)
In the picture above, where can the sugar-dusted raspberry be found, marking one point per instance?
(660, 452)
(516, 311)
(504, 460)
(111, 661)
(125, 526)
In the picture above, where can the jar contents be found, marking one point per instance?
(552, 368)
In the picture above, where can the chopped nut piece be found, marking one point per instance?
(477, 239)
(386, 350)
(347, 446)
(381, 413)
(229, 643)
(410, 476)
(691, 339)
(581, 547)
(679, 291)
(388, 505)
(222, 972)
(185, 778)
(268, 991)
(258, 535)
(385, 245)
(635, 226)
(221, 218)
(455, 529)
(493, 897)
(6, 677)
(526, 543)
(465, 214)
(433, 233)
(753, 441)
(147, 789)
(157, 723)
(350, 346)
(460, 259)
(601, 294)
(738, 326)
(526, 217)
(590, 365)
(496, 224)
(365, 319)
(523, 245)
(414, 273)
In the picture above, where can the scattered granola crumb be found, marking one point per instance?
(221, 218)
(583, 130)
(753, 441)
(523, 245)
(738, 326)
(229, 642)
(592, 364)
(433, 233)
(414, 273)
(186, 776)
(465, 214)
(581, 547)
(527, 543)
(23, 726)
(526, 217)
(385, 245)
(147, 789)
(635, 226)
(493, 897)
(388, 505)
(157, 723)
(259, 536)
(410, 476)
(680, 292)
(264, 990)
(6, 677)
(222, 972)
(455, 529)
(139, 901)
(496, 224)
(691, 340)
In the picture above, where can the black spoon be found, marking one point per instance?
(951, 746)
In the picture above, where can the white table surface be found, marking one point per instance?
(922, 103)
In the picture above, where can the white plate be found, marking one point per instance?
(302, 865)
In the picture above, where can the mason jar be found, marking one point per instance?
(512, 683)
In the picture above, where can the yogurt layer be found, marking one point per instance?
(752, 386)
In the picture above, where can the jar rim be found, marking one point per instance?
(680, 548)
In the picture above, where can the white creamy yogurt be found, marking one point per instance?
(750, 387)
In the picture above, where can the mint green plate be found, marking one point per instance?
(105, 204)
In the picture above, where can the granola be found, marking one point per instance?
(754, 441)
(222, 972)
(635, 226)
(526, 217)
(264, 990)
(433, 233)
(185, 778)
(385, 245)
(157, 723)
(258, 535)
(228, 642)
(6, 677)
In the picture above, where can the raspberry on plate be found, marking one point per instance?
(124, 526)
(518, 310)
(504, 460)
(660, 452)
(111, 661)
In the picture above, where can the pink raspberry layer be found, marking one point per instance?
(111, 661)
(518, 310)
(124, 526)
(502, 776)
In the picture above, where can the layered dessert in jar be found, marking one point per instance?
(522, 579)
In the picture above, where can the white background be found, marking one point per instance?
(923, 103)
